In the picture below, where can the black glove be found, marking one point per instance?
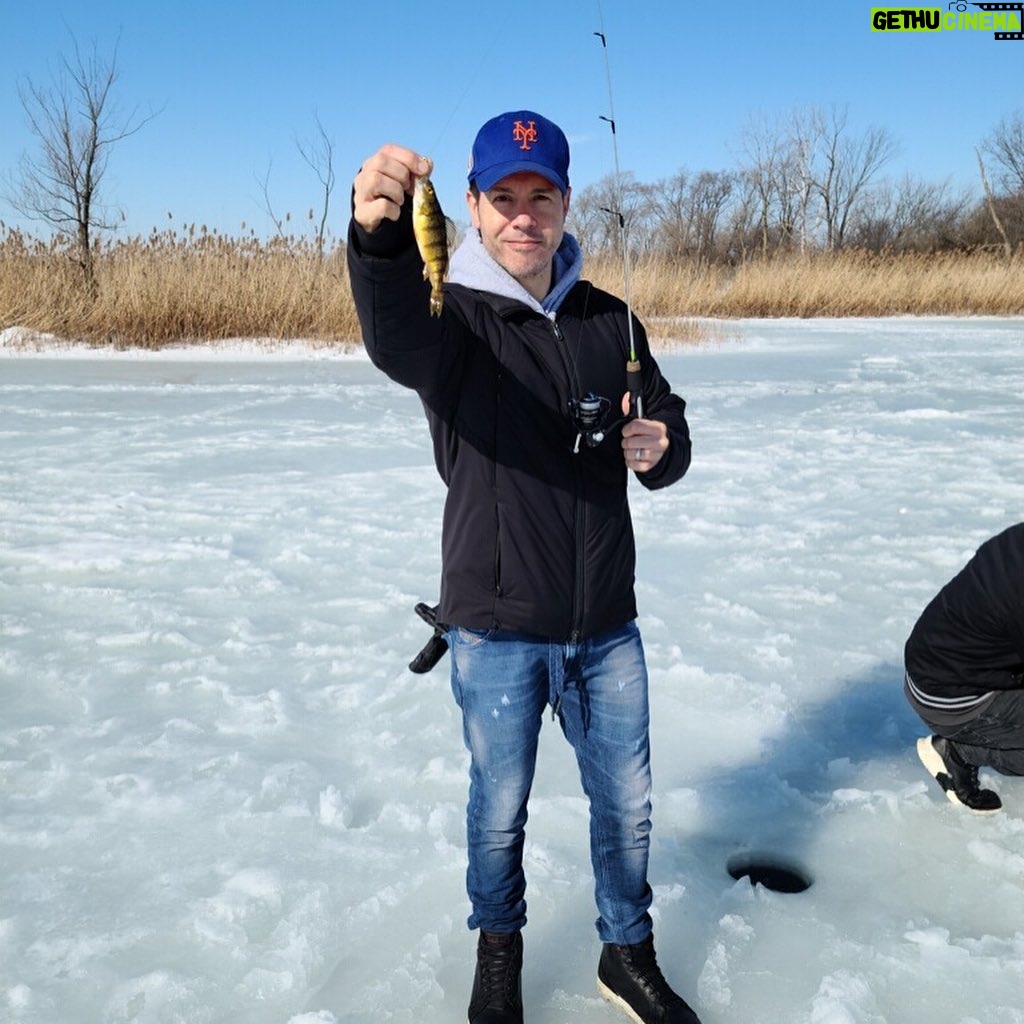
(433, 650)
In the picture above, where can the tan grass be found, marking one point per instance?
(828, 285)
(194, 286)
(169, 289)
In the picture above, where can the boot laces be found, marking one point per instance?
(644, 963)
(497, 972)
(968, 772)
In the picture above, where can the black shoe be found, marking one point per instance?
(497, 990)
(958, 779)
(629, 977)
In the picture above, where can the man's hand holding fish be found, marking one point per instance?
(384, 179)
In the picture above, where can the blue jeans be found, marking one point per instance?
(503, 681)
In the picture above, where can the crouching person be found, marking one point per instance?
(965, 673)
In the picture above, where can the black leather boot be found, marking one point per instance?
(958, 779)
(629, 977)
(497, 988)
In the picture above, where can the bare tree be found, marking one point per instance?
(763, 146)
(268, 206)
(990, 199)
(909, 215)
(319, 155)
(708, 196)
(846, 165)
(611, 212)
(684, 213)
(796, 179)
(741, 225)
(779, 176)
(76, 123)
(587, 222)
(669, 219)
(1006, 147)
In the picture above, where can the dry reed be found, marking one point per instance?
(170, 289)
(194, 286)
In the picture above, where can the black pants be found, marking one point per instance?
(995, 739)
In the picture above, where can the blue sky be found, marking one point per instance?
(235, 87)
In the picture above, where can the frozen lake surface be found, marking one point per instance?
(224, 799)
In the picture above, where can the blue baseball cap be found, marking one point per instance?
(519, 141)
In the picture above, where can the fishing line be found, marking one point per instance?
(634, 381)
(470, 83)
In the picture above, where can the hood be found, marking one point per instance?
(473, 266)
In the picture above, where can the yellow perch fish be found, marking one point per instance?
(431, 231)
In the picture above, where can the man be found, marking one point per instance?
(537, 546)
(965, 673)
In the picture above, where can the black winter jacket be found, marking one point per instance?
(535, 538)
(970, 637)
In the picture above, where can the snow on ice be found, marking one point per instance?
(224, 799)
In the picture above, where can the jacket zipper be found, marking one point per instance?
(497, 514)
(575, 633)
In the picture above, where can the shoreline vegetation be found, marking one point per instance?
(188, 288)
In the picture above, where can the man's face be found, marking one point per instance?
(521, 222)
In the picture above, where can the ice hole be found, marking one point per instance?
(772, 872)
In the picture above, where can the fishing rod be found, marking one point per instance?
(634, 379)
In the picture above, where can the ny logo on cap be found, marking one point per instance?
(523, 134)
